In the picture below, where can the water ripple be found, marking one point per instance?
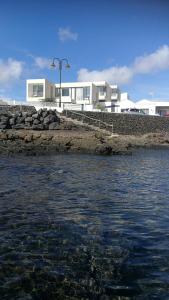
(85, 227)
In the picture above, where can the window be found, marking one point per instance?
(102, 90)
(86, 92)
(65, 92)
(37, 90)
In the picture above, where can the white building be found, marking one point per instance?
(74, 95)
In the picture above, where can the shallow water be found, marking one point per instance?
(85, 227)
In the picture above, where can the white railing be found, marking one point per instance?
(97, 121)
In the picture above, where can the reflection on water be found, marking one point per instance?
(85, 227)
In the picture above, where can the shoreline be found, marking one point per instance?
(46, 142)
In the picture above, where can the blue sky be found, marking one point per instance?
(123, 41)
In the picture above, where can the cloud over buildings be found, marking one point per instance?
(65, 34)
(156, 61)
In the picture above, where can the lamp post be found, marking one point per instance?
(61, 62)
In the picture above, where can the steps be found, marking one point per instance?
(86, 125)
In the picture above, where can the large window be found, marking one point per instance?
(65, 92)
(102, 90)
(86, 92)
(37, 90)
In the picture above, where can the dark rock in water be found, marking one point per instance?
(104, 149)
(54, 126)
(36, 122)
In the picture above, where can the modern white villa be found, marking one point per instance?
(74, 95)
(89, 96)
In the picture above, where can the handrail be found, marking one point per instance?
(93, 119)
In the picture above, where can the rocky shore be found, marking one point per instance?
(44, 132)
(30, 142)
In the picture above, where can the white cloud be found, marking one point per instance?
(117, 75)
(42, 62)
(156, 61)
(10, 70)
(65, 34)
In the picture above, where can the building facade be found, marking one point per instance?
(74, 95)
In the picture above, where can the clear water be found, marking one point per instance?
(85, 227)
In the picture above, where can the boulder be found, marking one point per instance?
(36, 122)
(49, 119)
(28, 119)
(44, 114)
(38, 127)
(54, 126)
(4, 119)
(3, 126)
(12, 121)
(20, 120)
(103, 149)
(18, 126)
(35, 116)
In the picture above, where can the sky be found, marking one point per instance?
(124, 42)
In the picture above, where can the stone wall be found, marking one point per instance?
(38, 120)
(16, 108)
(127, 123)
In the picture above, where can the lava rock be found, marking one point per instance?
(38, 127)
(36, 122)
(28, 119)
(54, 126)
(49, 119)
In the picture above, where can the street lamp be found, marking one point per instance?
(61, 62)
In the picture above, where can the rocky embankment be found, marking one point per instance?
(31, 142)
(44, 132)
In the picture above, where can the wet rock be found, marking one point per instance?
(104, 149)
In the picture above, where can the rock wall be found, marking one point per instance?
(16, 108)
(127, 123)
(38, 120)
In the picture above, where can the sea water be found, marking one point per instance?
(85, 226)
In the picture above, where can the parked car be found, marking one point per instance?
(134, 111)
